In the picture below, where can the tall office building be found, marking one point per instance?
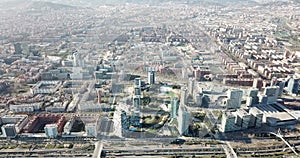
(51, 130)
(272, 94)
(183, 96)
(228, 122)
(135, 112)
(137, 82)
(9, 130)
(137, 103)
(25, 49)
(183, 120)
(151, 77)
(191, 86)
(137, 91)
(234, 99)
(278, 82)
(263, 99)
(293, 86)
(99, 96)
(135, 118)
(184, 73)
(256, 117)
(281, 84)
(258, 83)
(121, 122)
(77, 60)
(137, 94)
(198, 99)
(242, 119)
(252, 98)
(174, 107)
(253, 92)
(273, 81)
(18, 48)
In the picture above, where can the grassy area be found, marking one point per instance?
(25, 146)
(172, 94)
(60, 146)
(216, 112)
(146, 101)
(198, 126)
(9, 146)
(151, 120)
(105, 99)
(50, 146)
(174, 122)
(164, 119)
(200, 116)
(153, 131)
(40, 146)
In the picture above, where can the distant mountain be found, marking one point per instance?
(13, 4)
(275, 1)
(59, 4)
(37, 5)
(153, 2)
(32, 5)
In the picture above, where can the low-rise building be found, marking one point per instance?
(90, 129)
(25, 107)
(51, 130)
(46, 87)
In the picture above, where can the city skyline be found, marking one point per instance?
(129, 78)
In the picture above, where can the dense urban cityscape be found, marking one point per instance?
(194, 78)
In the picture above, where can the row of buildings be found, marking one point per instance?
(241, 120)
(264, 55)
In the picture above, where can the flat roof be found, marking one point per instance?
(281, 116)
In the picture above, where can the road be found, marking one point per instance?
(231, 152)
(98, 149)
(287, 143)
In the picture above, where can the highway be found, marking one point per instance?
(43, 152)
(157, 147)
(165, 151)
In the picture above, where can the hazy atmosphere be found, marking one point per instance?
(150, 78)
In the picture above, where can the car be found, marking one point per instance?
(178, 141)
